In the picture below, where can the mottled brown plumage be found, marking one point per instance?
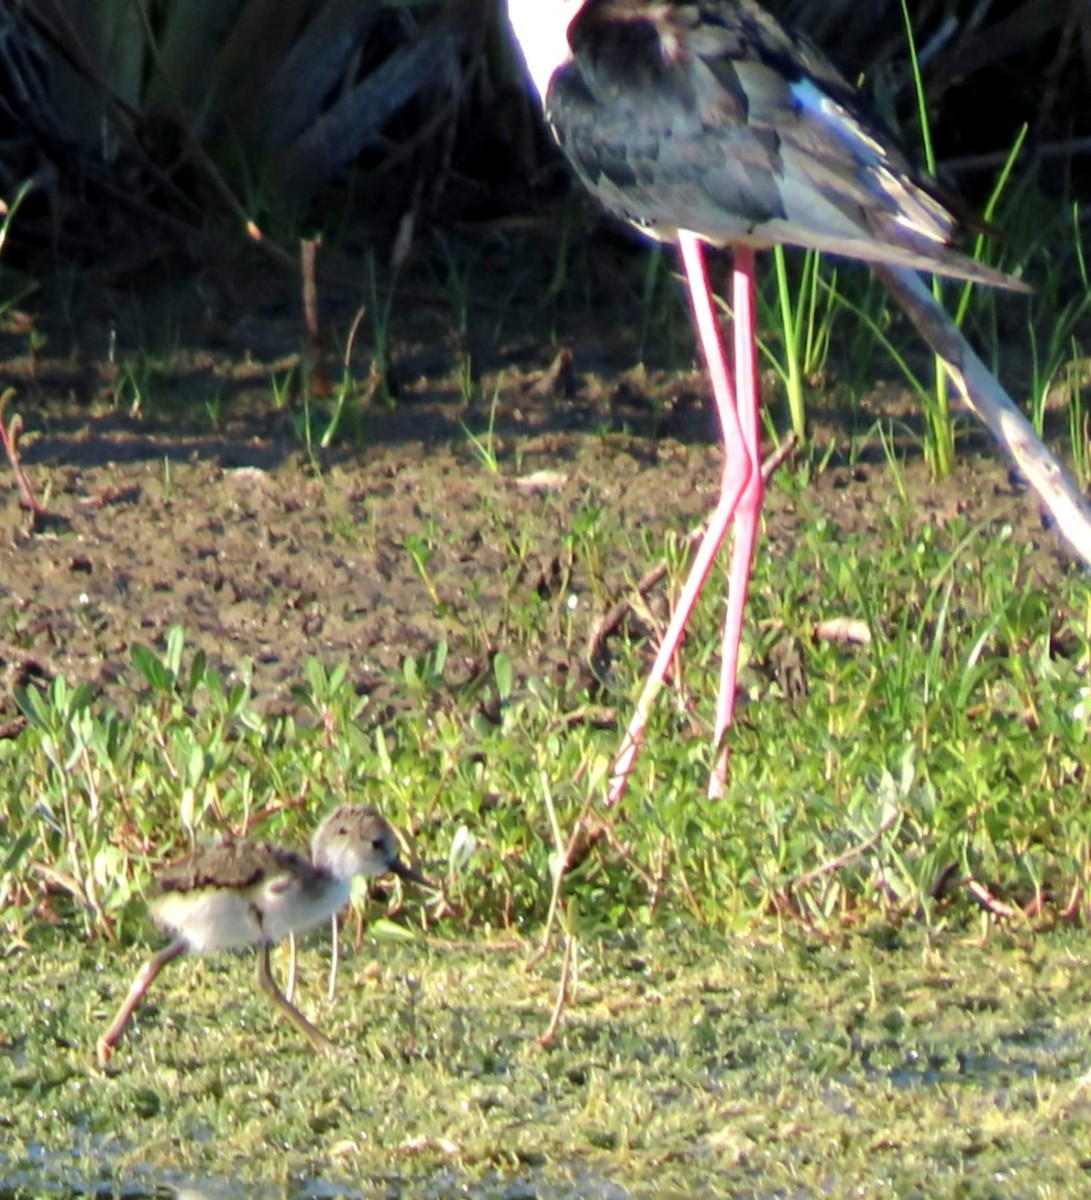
(233, 865)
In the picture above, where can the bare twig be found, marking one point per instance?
(990, 903)
(319, 376)
(847, 856)
(563, 987)
(9, 436)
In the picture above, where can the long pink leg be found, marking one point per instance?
(749, 507)
(742, 463)
(145, 977)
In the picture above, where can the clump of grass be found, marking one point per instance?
(807, 310)
(946, 746)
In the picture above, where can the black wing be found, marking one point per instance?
(712, 117)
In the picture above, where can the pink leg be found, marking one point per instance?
(742, 462)
(144, 979)
(748, 510)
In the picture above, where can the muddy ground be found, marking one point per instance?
(178, 492)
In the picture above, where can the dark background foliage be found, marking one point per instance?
(392, 117)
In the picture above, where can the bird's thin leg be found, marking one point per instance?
(293, 968)
(312, 1033)
(749, 506)
(738, 471)
(145, 977)
(335, 957)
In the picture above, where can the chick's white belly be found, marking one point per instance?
(293, 909)
(215, 920)
(210, 920)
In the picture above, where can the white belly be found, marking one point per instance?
(214, 920)
(292, 910)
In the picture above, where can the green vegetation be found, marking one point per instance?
(862, 972)
(954, 736)
(690, 1063)
(810, 1011)
(786, 983)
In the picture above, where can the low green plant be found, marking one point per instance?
(380, 308)
(484, 444)
(14, 287)
(807, 309)
(1060, 306)
(952, 733)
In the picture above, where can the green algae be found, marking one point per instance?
(687, 1063)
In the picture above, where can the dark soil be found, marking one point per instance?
(199, 505)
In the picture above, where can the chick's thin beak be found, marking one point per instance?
(406, 872)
